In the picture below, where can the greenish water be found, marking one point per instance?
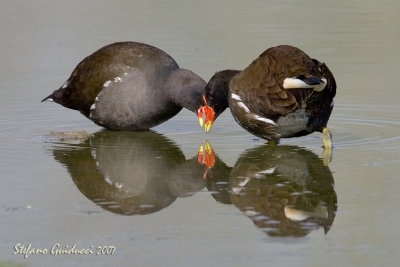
(147, 195)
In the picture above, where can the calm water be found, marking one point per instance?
(144, 193)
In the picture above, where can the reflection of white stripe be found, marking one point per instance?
(93, 153)
(320, 211)
(243, 106)
(268, 171)
(296, 215)
(264, 119)
(236, 97)
(243, 183)
(107, 179)
(237, 190)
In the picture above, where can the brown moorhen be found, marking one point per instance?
(283, 93)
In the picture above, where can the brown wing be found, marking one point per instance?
(260, 85)
(106, 64)
(258, 88)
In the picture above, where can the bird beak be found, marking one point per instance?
(206, 116)
(208, 126)
(200, 116)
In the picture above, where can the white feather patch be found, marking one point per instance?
(264, 119)
(243, 106)
(293, 122)
(107, 83)
(93, 106)
(236, 97)
(293, 83)
(115, 80)
(65, 85)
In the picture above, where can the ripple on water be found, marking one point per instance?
(353, 126)
(366, 126)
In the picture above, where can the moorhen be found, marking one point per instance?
(283, 93)
(131, 86)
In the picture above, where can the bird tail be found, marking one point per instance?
(55, 96)
(48, 98)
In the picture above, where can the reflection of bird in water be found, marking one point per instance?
(131, 172)
(284, 190)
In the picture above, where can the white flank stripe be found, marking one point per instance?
(243, 106)
(236, 97)
(264, 120)
(243, 183)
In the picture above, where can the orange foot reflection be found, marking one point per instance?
(206, 156)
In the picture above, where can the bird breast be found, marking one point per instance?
(294, 122)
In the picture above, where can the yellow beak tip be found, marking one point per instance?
(207, 126)
(201, 122)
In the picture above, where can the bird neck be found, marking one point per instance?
(186, 89)
(217, 90)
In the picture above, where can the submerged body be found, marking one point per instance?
(283, 93)
(130, 86)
